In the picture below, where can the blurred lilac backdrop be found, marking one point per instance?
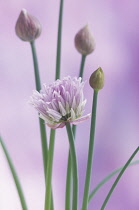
(115, 27)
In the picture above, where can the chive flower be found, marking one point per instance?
(27, 27)
(61, 102)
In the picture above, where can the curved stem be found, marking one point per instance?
(16, 180)
(118, 178)
(90, 153)
(74, 167)
(49, 171)
(107, 178)
(58, 57)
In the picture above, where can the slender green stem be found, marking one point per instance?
(69, 180)
(45, 155)
(41, 122)
(68, 184)
(44, 144)
(90, 153)
(36, 67)
(15, 177)
(69, 172)
(107, 178)
(82, 66)
(49, 171)
(74, 130)
(74, 167)
(48, 198)
(58, 57)
(80, 75)
(118, 178)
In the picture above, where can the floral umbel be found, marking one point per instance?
(61, 102)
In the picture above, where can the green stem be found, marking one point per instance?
(90, 152)
(80, 75)
(16, 180)
(107, 178)
(41, 122)
(118, 178)
(69, 180)
(74, 130)
(49, 171)
(48, 198)
(58, 57)
(69, 172)
(74, 167)
(82, 66)
(68, 184)
(45, 155)
(36, 67)
(44, 144)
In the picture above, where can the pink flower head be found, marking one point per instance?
(61, 102)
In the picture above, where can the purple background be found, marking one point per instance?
(115, 27)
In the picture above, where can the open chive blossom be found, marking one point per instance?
(61, 102)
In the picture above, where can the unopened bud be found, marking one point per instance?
(96, 80)
(27, 27)
(84, 41)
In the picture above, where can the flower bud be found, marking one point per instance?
(84, 41)
(27, 27)
(96, 80)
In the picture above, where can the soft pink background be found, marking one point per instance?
(115, 27)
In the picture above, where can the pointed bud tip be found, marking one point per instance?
(84, 41)
(96, 80)
(24, 12)
(27, 27)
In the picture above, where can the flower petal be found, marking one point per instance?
(57, 125)
(80, 119)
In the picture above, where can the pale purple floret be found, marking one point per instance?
(61, 102)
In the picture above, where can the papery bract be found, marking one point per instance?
(27, 27)
(84, 41)
(61, 102)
